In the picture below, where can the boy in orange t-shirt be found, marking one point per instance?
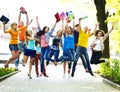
(22, 35)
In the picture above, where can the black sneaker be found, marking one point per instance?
(47, 63)
(46, 75)
(29, 76)
(72, 74)
(91, 73)
(37, 75)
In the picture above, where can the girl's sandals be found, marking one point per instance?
(6, 66)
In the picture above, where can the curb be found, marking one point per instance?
(111, 83)
(8, 75)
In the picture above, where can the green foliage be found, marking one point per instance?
(114, 6)
(5, 71)
(115, 69)
(105, 69)
(115, 41)
(111, 70)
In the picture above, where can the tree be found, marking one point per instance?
(101, 17)
(114, 18)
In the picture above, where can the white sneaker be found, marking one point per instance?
(16, 67)
(69, 75)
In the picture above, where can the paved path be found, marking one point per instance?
(82, 82)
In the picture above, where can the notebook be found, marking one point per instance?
(4, 19)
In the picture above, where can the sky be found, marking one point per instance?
(46, 9)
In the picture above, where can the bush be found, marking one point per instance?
(5, 71)
(115, 69)
(105, 69)
(111, 70)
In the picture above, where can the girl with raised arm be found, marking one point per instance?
(98, 46)
(44, 35)
(68, 47)
(13, 45)
(30, 51)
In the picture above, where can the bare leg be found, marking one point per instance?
(15, 55)
(30, 67)
(69, 68)
(25, 59)
(64, 68)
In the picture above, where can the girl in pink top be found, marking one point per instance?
(45, 48)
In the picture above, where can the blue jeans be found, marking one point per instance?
(44, 55)
(81, 51)
(22, 47)
(17, 62)
(82, 58)
(55, 53)
(68, 55)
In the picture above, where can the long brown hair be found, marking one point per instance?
(27, 34)
(97, 31)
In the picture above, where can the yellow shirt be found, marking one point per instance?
(14, 36)
(83, 39)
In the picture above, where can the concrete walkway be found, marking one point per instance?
(82, 82)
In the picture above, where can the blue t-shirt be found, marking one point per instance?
(68, 42)
(31, 44)
(38, 49)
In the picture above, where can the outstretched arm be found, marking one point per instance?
(4, 27)
(32, 38)
(66, 26)
(27, 19)
(19, 18)
(29, 22)
(54, 25)
(80, 24)
(37, 21)
(50, 33)
(38, 24)
(93, 33)
(63, 26)
(107, 34)
(73, 25)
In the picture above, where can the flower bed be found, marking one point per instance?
(111, 71)
(6, 72)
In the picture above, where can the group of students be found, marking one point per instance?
(72, 40)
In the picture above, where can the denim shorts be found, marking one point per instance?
(22, 46)
(13, 47)
(29, 52)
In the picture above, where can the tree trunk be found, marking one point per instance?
(101, 17)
